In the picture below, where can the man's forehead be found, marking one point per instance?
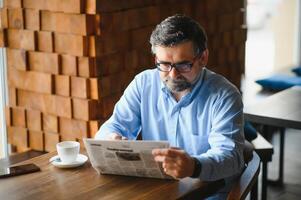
(184, 50)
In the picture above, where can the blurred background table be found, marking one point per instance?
(281, 110)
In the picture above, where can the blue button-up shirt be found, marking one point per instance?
(207, 122)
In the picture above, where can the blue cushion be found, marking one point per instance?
(297, 71)
(250, 131)
(279, 82)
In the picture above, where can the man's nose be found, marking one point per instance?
(173, 73)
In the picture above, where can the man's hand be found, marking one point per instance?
(175, 162)
(115, 136)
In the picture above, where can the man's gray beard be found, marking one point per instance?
(177, 85)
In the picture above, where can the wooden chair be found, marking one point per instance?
(265, 151)
(245, 182)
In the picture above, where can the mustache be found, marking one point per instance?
(179, 79)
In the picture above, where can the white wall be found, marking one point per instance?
(3, 100)
(285, 28)
(273, 39)
(3, 138)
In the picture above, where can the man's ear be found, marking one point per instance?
(204, 57)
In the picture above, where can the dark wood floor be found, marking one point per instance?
(291, 190)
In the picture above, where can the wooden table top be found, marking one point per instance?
(282, 109)
(85, 183)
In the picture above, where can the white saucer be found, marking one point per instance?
(80, 160)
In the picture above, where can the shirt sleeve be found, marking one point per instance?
(126, 117)
(226, 139)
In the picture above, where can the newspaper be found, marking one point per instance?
(125, 157)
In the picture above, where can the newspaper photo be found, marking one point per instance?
(125, 157)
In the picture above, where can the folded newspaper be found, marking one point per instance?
(125, 157)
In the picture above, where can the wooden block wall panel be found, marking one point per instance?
(66, 129)
(92, 46)
(50, 123)
(51, 139)
(84, 109)
(116, 5)
(18, 117)
(12, 3)
(81, 24)
(44, 62)
(107, 105)
(94, 88)
(94, 127)
(131, 60)
(32, 19)
(77, 6)
(212, 25)
(35, 4)
(241, 57)
(21, 39)
(126, 78)
(239, 36)
(239, 18)
(12, 96)
(112, 43)
(109, 85)
(68, 6)
(140, 37)
(80, 87)
(221, 56)
(76, 45)
(50, 104)
(62, 85)
(90, 6)
(110, 64)
(227, 38)
(36, 140)
(231, 54)
(69, 65)
(67, 136)
(15, 18)
(225, 22)
(10, 134)
(17, 59)
(3, 18)
(60, 106)
(8, 116)
(212, 6)
(130, 19)
(34, 120)
(72, 129)
(18, 136)
(87, 67)
(32, 81)
(3, 38)
(45, 41)
(145, 60)
(105, 86)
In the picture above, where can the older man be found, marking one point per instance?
(181, 101)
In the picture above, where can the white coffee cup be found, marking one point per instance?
(68, 151)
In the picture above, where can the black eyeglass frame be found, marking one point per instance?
(180, 67)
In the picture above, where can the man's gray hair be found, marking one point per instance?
(178, 29)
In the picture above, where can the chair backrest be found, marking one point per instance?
(243, 185)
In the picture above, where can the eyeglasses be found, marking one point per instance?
(180, 67)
